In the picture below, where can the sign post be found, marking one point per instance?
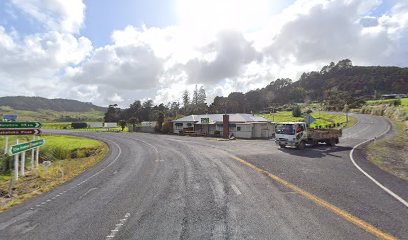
(22, 147)
(16, 165)
(22, 165)
(32, 156)
(22, 128)
(309, 119)
(6, 145)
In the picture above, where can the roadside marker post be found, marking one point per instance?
(22, 165)
(16, 165)
(6, 145)
(32, 156)
(37, 153)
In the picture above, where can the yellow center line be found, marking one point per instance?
(339, 212)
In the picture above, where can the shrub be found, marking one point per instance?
(77, 125)
(397, 102)
(297, 112)
(167, 127)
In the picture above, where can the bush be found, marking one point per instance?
(397, 102)
(297, 112)
(167, 127)
(78, 125)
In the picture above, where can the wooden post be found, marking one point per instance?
(37, 156)
(32, 156)
(22, 165)
(16, 165)
(6, 145)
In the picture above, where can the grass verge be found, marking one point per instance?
(70, 157)
(391, 154)
(323, 119)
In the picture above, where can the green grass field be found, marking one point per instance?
(322, 119)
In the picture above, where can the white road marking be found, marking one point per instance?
(116, 158)
(118, 226)
(236, 190)
(400, 199)
(87, 192)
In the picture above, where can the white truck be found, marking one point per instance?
(297, 134)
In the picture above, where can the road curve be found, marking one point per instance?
(170, 187)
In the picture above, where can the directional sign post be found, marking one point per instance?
(20, 125)
(7, 132)
(309, 119)
(15, 149)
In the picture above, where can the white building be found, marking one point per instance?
(241, 125)
(95, 124)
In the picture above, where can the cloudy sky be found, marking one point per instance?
(106, 51)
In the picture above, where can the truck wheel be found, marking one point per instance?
(282, 146)
(301, 145)
(331, 142)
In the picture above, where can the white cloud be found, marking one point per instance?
(160, 63)
(56, 15)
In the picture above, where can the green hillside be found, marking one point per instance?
(52, 116)
(39, 103)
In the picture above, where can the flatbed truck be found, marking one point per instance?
(297, 134)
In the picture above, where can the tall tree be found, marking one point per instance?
(201, 96)
(186, 100)
(195, 97)
(112, 114)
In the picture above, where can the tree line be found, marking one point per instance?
(335, 85)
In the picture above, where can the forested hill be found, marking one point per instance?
(355, 80)
(58, 105)
(335, 84)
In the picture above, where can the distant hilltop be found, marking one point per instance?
(38, 103)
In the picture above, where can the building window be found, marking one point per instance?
(238, 129)
(179, 126)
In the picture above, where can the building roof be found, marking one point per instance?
(214, 118)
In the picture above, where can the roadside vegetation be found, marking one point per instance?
(391, 154)
(396, 109)
(69, 157)
(323, 119)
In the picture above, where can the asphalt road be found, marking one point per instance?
(170, 187)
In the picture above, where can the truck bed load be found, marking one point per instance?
(326, 133)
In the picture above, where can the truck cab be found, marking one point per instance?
(290, 134)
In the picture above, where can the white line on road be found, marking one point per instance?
(236, 190)
(116, 158)
(87, 192)
(118, 226)
(370, 177)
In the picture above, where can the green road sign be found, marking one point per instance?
(18, 148)
(20, 125)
